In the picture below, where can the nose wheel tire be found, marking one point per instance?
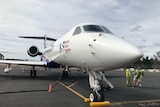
(94, 97)
(101, 96)
(33, 73)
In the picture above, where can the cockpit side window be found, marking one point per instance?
(106, 30)
(92, 28)
(77, 31)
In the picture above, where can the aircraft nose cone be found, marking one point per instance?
(128, 52)
(118, 52)
(131, 52)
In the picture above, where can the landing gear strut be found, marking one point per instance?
(65, 71)
(33, 72)
(98, 82)
(65, 74)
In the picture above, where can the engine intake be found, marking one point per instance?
(33, 51)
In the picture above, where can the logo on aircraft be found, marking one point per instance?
(64, 46)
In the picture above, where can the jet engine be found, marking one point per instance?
(33, 51)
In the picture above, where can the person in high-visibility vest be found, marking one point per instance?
(128, 78)
(135, 78)
(141, 75)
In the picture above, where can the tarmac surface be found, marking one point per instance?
(17, 89)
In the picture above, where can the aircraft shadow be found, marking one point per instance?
(25, 91)
(17, 77)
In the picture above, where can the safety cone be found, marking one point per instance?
(50, 88)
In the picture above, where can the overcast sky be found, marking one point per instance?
(137, 21)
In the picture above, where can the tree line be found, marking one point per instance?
(147, 63)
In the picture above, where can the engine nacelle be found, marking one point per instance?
(33, 51)
(7, 70)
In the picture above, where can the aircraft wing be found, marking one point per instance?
(17, 62)
(31, 63)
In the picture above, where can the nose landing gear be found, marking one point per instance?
(96, 96)
(98, 82)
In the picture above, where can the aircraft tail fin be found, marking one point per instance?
(45, 38)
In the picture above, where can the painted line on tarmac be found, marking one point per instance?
(133, 102)
(75, 92)
(92, 104)
(73, 84)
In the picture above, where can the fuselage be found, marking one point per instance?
(92, 47)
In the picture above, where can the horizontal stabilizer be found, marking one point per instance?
(38, 37)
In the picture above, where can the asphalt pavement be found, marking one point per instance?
(17, 89)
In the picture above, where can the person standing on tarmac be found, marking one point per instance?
(128, 77)
(135, 78)
(138, 77)
(141, 75)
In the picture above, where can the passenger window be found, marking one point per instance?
(77, 31)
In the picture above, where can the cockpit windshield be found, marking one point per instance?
(95, 28)
(92, 28)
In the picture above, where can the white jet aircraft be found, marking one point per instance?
(92, 48)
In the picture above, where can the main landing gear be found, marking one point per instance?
(33, 72)
(65, 74)
(65, 71)
(98, 82)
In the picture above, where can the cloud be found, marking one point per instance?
(137, 28)
(4, 51)
(137, 21)
(141, 46)
(157, 44)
